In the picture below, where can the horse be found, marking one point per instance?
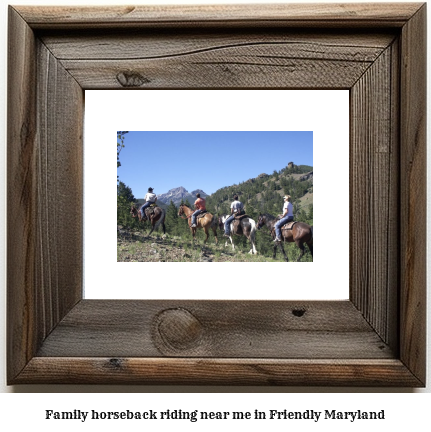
(300, 233)
(245, 226)
(156, 215)
(205, 222)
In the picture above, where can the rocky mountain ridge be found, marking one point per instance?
(176, 195)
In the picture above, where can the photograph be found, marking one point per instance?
(214, 196)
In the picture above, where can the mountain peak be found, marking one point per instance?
(199, 191)
(176, 195)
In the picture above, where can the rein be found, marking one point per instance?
(185, 217)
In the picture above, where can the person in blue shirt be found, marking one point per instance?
(286, 217)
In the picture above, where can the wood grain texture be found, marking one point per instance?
(21, 195)
(208, 60)
(197, 371)
(413, 194)
(141, 44)
(374, 215)
(59, 183)
(300, 15)
(45, 187)
(376, 338)
(226, 329)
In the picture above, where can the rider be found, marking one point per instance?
(287, 216)
(236, 209)
(200, 207)
(150, 198)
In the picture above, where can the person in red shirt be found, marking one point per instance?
(200, 207)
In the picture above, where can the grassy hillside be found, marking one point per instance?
(262, 194)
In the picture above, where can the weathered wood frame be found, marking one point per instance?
(376, 338)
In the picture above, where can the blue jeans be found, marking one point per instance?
(227, 224)
(194, 215)
(280, 223)
(142, 210)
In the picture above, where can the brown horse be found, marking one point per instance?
(300, 233)
(205, 222)
(156, 215)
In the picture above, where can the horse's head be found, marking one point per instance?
(181, 210)
(133, 211)
(261, 221)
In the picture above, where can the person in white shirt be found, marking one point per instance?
(236, 209)
(285, 218)
(150, 198)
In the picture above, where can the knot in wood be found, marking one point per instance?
(298, 312)
(131, 79)
(178, 329)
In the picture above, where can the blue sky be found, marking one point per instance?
(207, 160)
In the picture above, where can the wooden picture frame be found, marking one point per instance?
(376, 338)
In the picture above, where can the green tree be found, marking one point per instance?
(120, 145)
(126, 192)
(172, 219)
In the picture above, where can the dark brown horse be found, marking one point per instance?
(156, 215)
(205, 222)
(300, 233)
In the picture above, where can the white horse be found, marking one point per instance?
(247, 227)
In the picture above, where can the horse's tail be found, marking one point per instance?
(253, 229)
(311, 239)
(214, 222)
(162, 218)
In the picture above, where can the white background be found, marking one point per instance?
(324, 112)
(404, 411)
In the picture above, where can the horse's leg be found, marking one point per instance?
(300, 244)
(275, 252)
(215, 234)
(282, 249)
(152, 229)
(231, 241)
(251, 251)
(253, 247)
(207, 234)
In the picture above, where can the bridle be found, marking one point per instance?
(260, 223)
(181, 215)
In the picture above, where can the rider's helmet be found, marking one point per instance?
(150, 189)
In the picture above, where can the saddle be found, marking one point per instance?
(201, 215)
(241, 216)
(150, 209)
(289, 225)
